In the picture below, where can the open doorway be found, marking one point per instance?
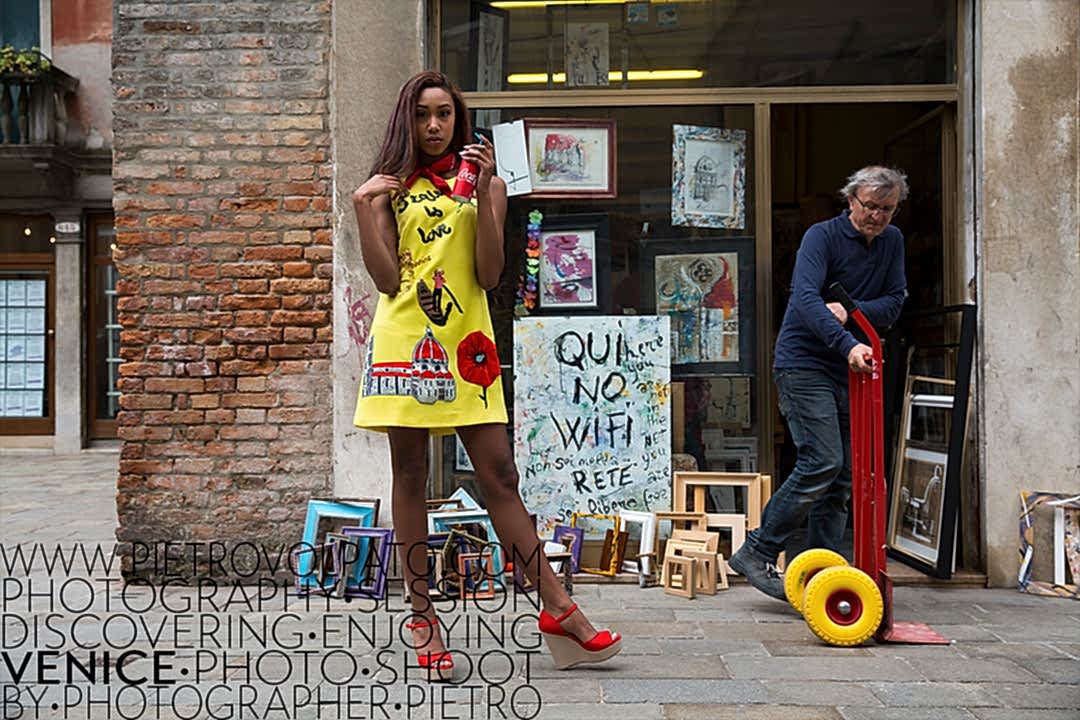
(814, 149)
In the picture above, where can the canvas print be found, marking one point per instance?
(917, 526)
(568, 268)
(708, 176)
(700, 294)
(587, 60)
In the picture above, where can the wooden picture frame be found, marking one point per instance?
(610, 539)
(477, 576)
(571, 158)
(574, 264)
(698, 482)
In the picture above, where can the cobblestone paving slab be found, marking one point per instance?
(932, 694)
(750, 712)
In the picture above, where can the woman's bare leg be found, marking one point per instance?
(408, 458)
(497, 474)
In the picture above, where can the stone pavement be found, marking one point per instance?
(736, 655)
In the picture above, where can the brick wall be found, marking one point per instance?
(223, 215)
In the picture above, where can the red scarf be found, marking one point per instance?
(435, 171)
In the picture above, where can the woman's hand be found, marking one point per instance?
(377, 185)
(483, 154)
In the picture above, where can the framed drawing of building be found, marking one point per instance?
(708, 177)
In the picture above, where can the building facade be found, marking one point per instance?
(242, 130)
(61, 338)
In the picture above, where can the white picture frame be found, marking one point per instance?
(647, 544)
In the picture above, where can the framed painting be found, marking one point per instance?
(574, 263)
(474, 523)
(489, 48)
(706, 287)
(571, 158)
(931, 392)
(587, 55)
(708, 177)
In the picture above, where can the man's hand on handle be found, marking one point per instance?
(861, 358)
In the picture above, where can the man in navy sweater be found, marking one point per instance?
(815, 348)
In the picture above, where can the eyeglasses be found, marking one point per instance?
(887, 210)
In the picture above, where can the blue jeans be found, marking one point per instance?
(815, 405)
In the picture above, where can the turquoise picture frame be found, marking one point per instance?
(348, 513)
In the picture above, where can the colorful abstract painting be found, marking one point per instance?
(592, 415)
(568, 268)
(700, 294)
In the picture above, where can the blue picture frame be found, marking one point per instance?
(382, 539)
(354, 513)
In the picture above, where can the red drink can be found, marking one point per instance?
(465, 182)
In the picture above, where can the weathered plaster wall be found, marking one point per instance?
(82, 38)
(373, 54)
(1029, 247)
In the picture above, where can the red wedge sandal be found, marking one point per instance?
(439, 666)
(567, 651)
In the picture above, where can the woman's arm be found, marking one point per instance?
(378, 232)
(490, 215)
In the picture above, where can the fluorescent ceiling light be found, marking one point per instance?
(613, 76)
(525, 4)
(519, 4)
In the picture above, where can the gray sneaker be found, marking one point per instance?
(760, 574)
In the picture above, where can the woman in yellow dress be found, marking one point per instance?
(432, 365)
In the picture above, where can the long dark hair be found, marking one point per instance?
(399, 154)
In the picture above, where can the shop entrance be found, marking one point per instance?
(814, 149)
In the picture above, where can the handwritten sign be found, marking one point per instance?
(592, 415)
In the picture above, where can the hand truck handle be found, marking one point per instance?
(839, 294)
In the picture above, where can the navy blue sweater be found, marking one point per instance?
(834, 251)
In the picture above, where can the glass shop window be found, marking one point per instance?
(518, 45)
(617, 232)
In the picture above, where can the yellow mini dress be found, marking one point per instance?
(431, 359)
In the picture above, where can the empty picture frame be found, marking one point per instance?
(611, 536)
(1065, 510)
(321, 565)
(477, 576)
(572, 538)
(456, 522)
(374, 572)
(325, 516)
(698, 482)
(646, 522)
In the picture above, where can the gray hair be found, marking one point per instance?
(877, 179)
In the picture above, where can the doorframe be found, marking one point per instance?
(29, 262)
(96, 429)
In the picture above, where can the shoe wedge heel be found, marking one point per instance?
(567, 653)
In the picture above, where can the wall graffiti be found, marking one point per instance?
(592, 409)
(359, 319)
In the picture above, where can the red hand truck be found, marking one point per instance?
(845, 605)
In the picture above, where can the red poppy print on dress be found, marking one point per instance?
(478, 361)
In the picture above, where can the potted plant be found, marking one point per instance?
(28, 63)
